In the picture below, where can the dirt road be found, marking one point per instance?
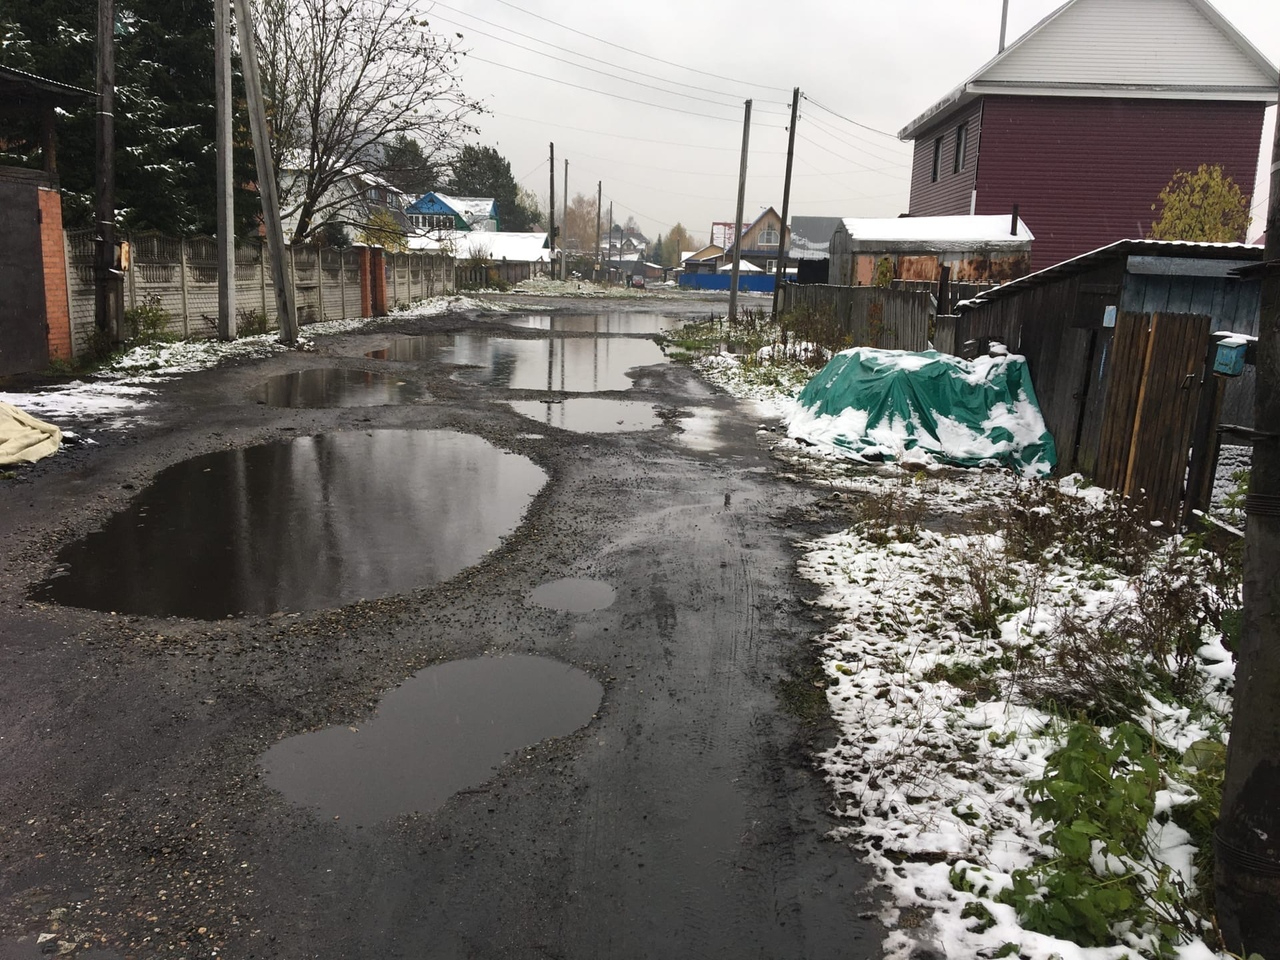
(683, 819)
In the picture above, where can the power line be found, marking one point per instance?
(585, 56)
(580, 66)
(858, 143)
(620, 136)
(886, 171)
(856, 123)
(603, 93)
(669, 63)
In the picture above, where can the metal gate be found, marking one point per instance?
(1152, 393)
(24, 335)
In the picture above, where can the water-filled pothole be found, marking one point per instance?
(333, 387)
(590, 414)
(569, 364)
(632, 324)
(574, 595)
(302, 524)
(430, 346)
(442, 731)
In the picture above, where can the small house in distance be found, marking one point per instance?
(991, 249)
(1084, 120)
(439, 212)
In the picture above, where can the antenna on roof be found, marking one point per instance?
(1004, 24)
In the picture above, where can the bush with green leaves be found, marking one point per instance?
(149, 321)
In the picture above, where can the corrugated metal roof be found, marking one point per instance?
(1173, 249)
(1168, 49)
(938, 234)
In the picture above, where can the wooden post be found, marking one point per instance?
(262, 278)
(225, 183)
(737, 228)
(551, 212)
(599, 198)
(781, 273)
(564, 265)
(342, 280)
(285, 302)
(105, 201)
(182, 282)
(293, 276)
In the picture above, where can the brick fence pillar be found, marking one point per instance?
(366, 280)
(57, 304)
(378, 274)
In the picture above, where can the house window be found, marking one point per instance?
(937, 159)
(768, 237)
(771, 267)
(962, 139)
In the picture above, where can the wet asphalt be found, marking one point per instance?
(685, 819)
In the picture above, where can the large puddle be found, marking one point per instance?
(299, 525)
(574, 595)
(569, 364)
(332, 387)
(444, 730)
(632, 324)
(590, 414)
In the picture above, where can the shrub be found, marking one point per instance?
(149, 321)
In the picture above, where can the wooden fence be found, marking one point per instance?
(867, 316)
(180, 276)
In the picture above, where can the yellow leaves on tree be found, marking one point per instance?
(383, 231)
(1207, 206)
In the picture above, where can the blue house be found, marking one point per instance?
(438, 211)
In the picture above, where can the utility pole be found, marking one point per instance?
(105, 200)
(786, 203)
(564, 270)
(737, 224)
(226, 186)
(266, 174)
(1247, 855)
(1004, 24)
(551, 211)
(609, 266)
(599, 198)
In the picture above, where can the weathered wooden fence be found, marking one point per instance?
(868, 316)
(180, 276)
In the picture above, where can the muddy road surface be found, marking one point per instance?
(471, 636)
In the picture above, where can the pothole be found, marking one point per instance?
(328, 387)
(590, 414)
(574, 595)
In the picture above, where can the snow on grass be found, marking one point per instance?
(772, 386)
(118, 395)
(546, 287)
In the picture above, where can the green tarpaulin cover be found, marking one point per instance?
(880, 405)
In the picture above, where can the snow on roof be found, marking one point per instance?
(487, 244)
(471, 209)
(959, 232)
(744, 266)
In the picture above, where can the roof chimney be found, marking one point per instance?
(1004, 23)
(1013, 222)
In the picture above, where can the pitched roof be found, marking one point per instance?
(811, 237)
(487, 244)
(471, 209)
(959, 233)
(1165, 49)
(747, 228)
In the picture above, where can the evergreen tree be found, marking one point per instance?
(484, 172)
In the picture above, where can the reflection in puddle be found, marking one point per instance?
(701, 430)
(331, 387)
(309, 523)
(625, 323)
(574, 595)
(442, 731)
(569, 364)
(590, 414)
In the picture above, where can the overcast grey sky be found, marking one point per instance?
(878, 62)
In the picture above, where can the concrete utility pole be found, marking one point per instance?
(266, 174)
(737, 223)
(551, 212)
(1247, 871)
(599, 198)
(564, 269)
(226, 186)
(786, 203)
(105, 200)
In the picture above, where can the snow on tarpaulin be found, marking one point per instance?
(878, 405)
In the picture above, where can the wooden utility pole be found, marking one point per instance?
(266, 174)
(599, 198)
(786, 203)
(737, 222)
(564, 269)
(609, 265)
(1247, 854)
(105, 200)
(1004, 24)
(226, 186)
(551, 211)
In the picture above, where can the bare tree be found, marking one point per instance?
(343, 80)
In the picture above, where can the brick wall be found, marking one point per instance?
(57, 303)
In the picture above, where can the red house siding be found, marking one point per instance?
(1085, 171)
(952, 193)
